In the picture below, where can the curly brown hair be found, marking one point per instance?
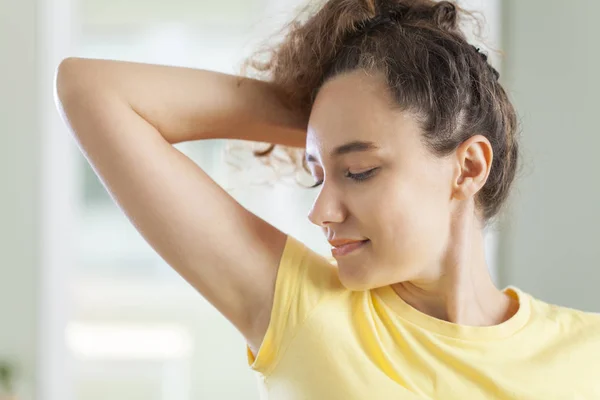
(430, 68)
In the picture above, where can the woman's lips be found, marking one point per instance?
(342, 248)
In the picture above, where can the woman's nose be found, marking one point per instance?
(327, 208)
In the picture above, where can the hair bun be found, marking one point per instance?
(445, 15)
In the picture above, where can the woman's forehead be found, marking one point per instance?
(345, 109)
(354, 91)
(342, 115)
(398, 134)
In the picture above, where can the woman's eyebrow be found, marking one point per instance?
(350, 147)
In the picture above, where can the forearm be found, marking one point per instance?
(186, 104)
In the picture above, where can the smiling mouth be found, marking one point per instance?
(342, 249)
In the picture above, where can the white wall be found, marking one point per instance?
(551, 244)
(35, 200)
(58, 202)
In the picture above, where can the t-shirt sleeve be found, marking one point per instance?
(304, 279)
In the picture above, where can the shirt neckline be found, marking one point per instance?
(503, 330)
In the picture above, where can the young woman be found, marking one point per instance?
(412, 141)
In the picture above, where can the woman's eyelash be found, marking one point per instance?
(362, 176)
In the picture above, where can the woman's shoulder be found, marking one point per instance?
(567, 321)
(305, 280)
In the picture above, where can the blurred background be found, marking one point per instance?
(89, 311)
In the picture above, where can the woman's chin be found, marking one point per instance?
(371, 275)
(353, 277)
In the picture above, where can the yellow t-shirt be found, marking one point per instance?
(327, 342)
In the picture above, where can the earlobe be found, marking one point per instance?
(474, 161)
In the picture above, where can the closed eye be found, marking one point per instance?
(362, 176)
(359, 177)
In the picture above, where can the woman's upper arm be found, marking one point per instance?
(227, 253)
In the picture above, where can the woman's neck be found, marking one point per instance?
(464, 305)
(462, 290)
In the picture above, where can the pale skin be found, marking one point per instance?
(417, 211)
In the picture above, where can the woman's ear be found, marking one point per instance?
(474, 161)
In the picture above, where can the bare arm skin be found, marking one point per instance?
(126, 116)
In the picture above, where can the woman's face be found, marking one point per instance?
(383, 194)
